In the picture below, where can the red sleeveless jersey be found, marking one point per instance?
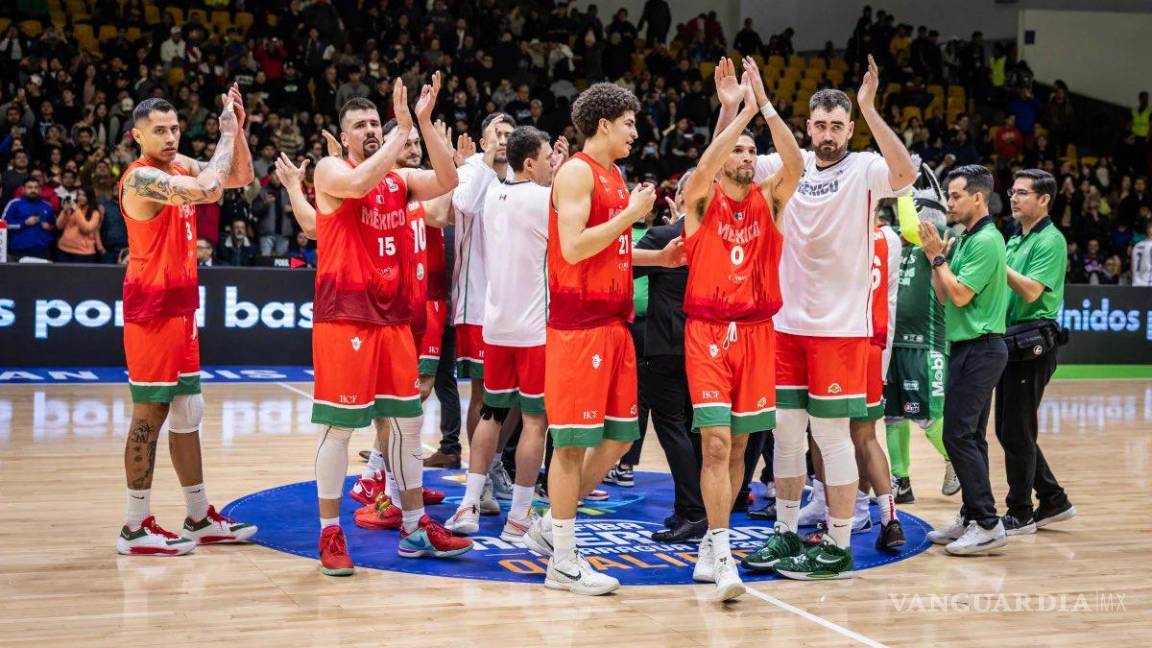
(879, 288)
(415, 238)
(437, 265)
(734, 261)
(161, 280)
(366, 264)
(597, 290)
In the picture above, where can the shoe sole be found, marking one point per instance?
(569, 587)
(379, 527)
(338, 571)
(904, 499)
(463, 529)
(978, 549)
(942, 541)
(703, 577)
(360, 497)
(760, 566)
(512, 537)
(535, 547)
(154, 551)
(730, 592)
(862, 529)
(1024, 530)
(808, 576)
(431, 553)
(678, 541)
(489, 511)
(952, 492)
(239, 537)
(1066, 515)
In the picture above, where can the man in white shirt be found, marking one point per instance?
(1142, 259)
(173, 48)
(515, 313)
(824, 326)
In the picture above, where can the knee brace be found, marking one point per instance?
(791, 444)
(489, 413)
(332, 462)
(835, 443)
(891, 420)
(186, 413)
(405, 453)
(925, 423)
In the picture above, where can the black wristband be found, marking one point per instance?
(938, 261)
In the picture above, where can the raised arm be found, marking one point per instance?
(944, 282)
(572, 196)
(901, 169)
(424, 184)
(729, 92)
(698, 188)
(241, 173)
(292, 177)
(337, 179)
(782, 184)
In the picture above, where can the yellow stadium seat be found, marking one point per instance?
(151, 15)
(1071, 152)
(956, 91)
(776, 61)
(177, 14)
(83, 32)
(792, 73)
(910, 112)
(802, 96)
(861, 141)
(58, 19)
(809, 84)
(4, 22)
(198, 15)
(936, 90)
(759, 61)
(244, 20)
(814, 73)
(273, 20)
(175, 75)
(221, 20)
(839, 64)
(107, 33)
(706, 69)
(31, 28)
(836, 77)
(76, 7)
(55, 5)
(134, 33)
(800, 107)
(817, 63)
(798, 62)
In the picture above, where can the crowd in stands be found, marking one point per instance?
(70, 77)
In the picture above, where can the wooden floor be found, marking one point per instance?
(62, 584)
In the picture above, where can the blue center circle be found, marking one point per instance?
(615, 534)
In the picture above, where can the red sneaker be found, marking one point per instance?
(432, 496)
(431, 539)
(334, 558)
(382, 515)
(367, 489)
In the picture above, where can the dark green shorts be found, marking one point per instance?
(915, 387)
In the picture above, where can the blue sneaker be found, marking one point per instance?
(431, 539)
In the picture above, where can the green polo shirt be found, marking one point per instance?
(978, 263)
(1041, 255)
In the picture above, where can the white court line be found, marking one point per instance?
(309, 397)
(819, 620)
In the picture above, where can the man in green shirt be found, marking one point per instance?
(974, 289)
(1037, 260)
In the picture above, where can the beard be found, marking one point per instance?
(370, 147)
(740, 176)
(412, 162)
(830, 152)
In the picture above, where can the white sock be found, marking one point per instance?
(861, 503)
(819, 495)
(521, 502)
(412, 519)
(840, 530)
(720, 546)
(327, 522)
(139, 507)
(564, 539)
(375, 465)
(887, 508)
(391, 489)
(473, 490)
(547, 521)
(196, 501)
(788, 513)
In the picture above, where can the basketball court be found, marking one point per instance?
(61, 452)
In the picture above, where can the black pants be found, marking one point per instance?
(974, 368)
(632, 457)
(448, 394)
(752, 453)
(666, 392)
(1017, 401)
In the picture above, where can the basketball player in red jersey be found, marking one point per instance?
(161, 294)
(362, 344)
(733, 243)
(590, 362)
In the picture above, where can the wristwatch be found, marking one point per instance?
(938, 261)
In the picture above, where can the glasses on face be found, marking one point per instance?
(1022, 193)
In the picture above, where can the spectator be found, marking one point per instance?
(747, 40)
(658, 15)
(1075, 264)
(236, 248)
(15, 176)
(204, 253)
(1061, 117)
(1009, 141)
(1112, 274)
(1026, 109)
(287, 137)
(173, 49)
(1092, 263)
(303, 249)
(1141, 117)
(79, 225)
(273, 214)
(353, 88)
(30, 223)
(1131, 204)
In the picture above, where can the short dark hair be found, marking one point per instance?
(524, 143)
(977, 178)
(388, 127)
(1043, 183)
(145, 108)
(829, 99)
(31, 179)
(355, 103)
(601, 101)
(508, 119)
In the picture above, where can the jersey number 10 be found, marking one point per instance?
(419, 240)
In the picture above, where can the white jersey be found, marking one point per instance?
(826, 265)
(894, 247)
(516, 302)
(1142, 263)
(468, 279)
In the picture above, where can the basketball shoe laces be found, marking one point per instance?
(335, 544)
(217, 517)
(383, 502)
(156, 529)
(436, 533)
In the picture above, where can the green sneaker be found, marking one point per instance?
(782, 544)
(825, 561)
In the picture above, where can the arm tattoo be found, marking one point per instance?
(154, 184)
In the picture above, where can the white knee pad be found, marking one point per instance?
(186, 413)
(332, 462)
(405, 454)
(791, 444)
(835, 443)
(892, 420)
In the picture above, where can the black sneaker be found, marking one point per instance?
(1017, 526)
(621, 475)
(902, 490)
(766, 513)
(891, 536)
(1045, 515)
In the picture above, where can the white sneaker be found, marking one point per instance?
(152, 540)
(704, 571)
(951, 533)
(816, 510)
(501, 482)
(488, 504)
(514, 531)
(951, 484)
(728, 583)
(538, 537)
(465, 521)
(977, 539)
(770, 490)
(217, 529)
(578, 577)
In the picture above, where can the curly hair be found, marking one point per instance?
(601, 101)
